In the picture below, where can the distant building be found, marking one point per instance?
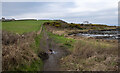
(86, 22)
(3, 19)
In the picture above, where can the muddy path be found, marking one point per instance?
(52, 63)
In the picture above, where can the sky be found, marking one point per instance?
(76, 11)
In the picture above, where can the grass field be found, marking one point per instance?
(22, 26)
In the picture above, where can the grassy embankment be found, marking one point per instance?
(60, 39)
(22, 27)
(76, 28)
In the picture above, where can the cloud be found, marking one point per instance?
(96, 11)
(94, 5)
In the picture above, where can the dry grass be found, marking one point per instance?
(92, 55)
(17, 53)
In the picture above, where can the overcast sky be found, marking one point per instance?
(77, 11)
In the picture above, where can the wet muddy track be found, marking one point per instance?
(52, 63)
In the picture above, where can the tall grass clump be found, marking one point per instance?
(88, 48)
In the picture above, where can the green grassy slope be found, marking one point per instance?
(66, 42)
(22, 26)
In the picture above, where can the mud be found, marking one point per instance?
(43, 55)
(52, 63)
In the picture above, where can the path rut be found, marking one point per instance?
(52, 63)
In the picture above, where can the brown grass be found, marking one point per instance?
(16, 50)
(92, 55)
